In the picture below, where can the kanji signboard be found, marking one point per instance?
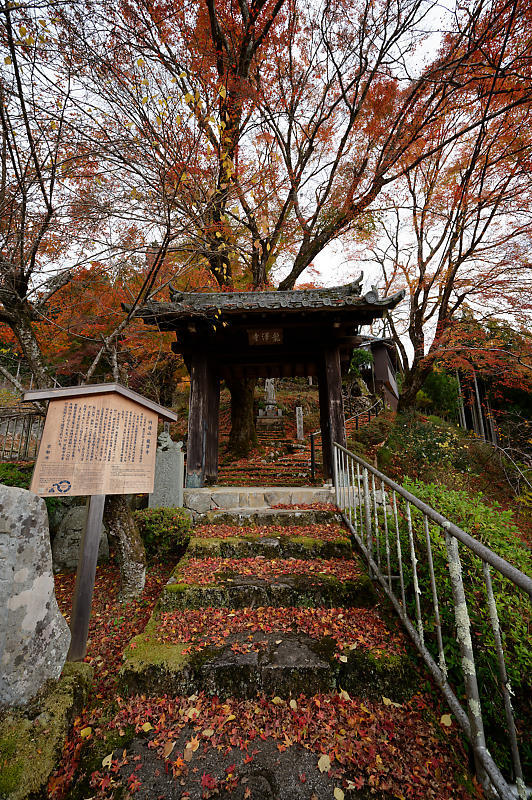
(96, 444)
(97, 440)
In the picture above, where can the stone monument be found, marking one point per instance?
(34, 637)
(300, 434)
(271, 416)
(169, 473)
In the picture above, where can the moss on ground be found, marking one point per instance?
(32, 738)
(373, 673)
(92, 754)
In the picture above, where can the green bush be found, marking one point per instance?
(424, 446)
(441, 391)
(164, 531)
(16, 475)
(361, 358)
(20, 475)
(494, 527)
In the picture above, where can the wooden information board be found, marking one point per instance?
(97, 440)
(96, 444)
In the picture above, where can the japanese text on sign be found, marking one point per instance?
(97, 444)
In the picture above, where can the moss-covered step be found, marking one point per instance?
(237, 583)
(247, 545)
(282, 663)
(32, 739)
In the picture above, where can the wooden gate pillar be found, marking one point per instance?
(213, 425)
(202, 443)
(331, 407)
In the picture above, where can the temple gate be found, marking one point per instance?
(270, 334)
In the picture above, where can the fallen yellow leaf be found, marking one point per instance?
(446, 720)
(338, 794)
(324, 763)
(85, 732)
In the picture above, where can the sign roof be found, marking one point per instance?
(101, 388)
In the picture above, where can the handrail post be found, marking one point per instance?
(463, 635)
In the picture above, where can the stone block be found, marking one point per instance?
(226, 499)
(198, 500)
(254, 499)
(66, 545)
(34, 636)
(275, 496)
(169, 474)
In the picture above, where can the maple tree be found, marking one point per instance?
(246, 139)
(270, 129)
(64, 208)
(458, 237)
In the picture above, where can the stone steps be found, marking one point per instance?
(287, 590)
(278, 664)
(268, 516)
(248, 545)
(248, 612)
(257, 664)
(213, 498)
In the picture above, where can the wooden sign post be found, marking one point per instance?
(97, 440)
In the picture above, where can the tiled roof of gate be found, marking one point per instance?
(199, 303)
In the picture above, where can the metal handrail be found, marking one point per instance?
(377, 404)
(372, 517)
(312, 436)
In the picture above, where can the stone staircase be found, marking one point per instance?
(269, 670)
(261, 504)
(263, 603)
(280, 460)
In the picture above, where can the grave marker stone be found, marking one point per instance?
(169, 473)
(299, 423)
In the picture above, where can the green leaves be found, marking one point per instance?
(164, 531)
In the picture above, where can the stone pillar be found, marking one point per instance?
(331, 407)
(169, 477)
(300, 434)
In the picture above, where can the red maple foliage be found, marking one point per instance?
(207, 571)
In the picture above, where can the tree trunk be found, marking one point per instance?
(127, 545)
(243, 435)
(23, 329)
(414, 379)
